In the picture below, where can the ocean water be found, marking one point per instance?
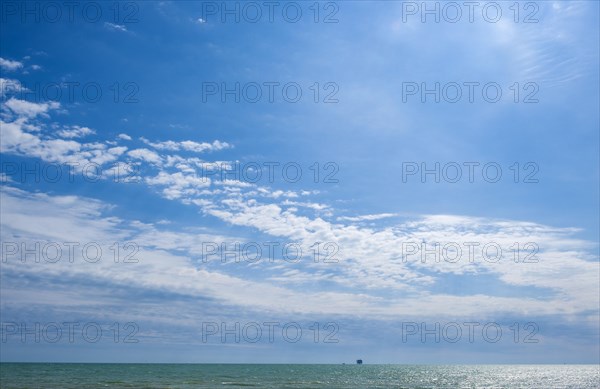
(48, 375)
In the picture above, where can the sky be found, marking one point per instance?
(300, 182)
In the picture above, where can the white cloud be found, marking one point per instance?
(145, 155)
(115, 27)
(315, 206)
(29, 109)
(9, 65)
(373, 258)
(189, 145)
(237, 183)
(19, 139)
(370, 259)
(179, 185)
(166, 264)
(124, 137)
(8, 86)
(366, 217)
(75, 132)
(275, 194)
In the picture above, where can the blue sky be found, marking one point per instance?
(167, 140)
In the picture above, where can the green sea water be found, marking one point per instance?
(49, 375)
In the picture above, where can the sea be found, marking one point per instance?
(92, 375)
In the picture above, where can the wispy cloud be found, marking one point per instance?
(166, 264)
(115, 27)
(374, 258)
(366, 217)
(188, 145)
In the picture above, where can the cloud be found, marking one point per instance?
(26, 135)
(378, 258)
(9, 65)
(29, 109)
(75, 132)
(366, 217)
(315, 206)
(24, 138)
(145, 155)
(188, 145)
(115, 27)
(167, 265)
(179, 185)
(9, 86)
(548, 45)
(277, 193)
(372, 265)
